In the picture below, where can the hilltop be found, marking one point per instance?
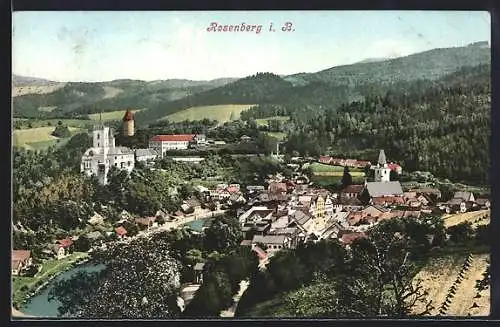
(334, 86)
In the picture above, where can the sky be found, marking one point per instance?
(102, 46)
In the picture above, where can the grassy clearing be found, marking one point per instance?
(324, 181)
(221, 113)
(111, 115)
(265, 121)
(319, 167)
(451, 220)
(339, 173)
(277, 135)
(35, 123)
(36, 89)
(22, 286)
(39, 137)
(47, 109)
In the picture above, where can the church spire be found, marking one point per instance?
(381, 158)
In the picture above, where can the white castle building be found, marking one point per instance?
(103, 155)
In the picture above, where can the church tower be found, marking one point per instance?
(382, 171)
(128, 123)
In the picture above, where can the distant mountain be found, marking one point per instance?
(329, 87)
(18, 80)
(369, 60)
(430, 64)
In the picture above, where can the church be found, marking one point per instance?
(383, 186)
(104, 154)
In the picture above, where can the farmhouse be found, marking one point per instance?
(164, 143)
(21, 260)
(103, 155)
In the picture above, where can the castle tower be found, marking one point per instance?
(382, 171)
(128, 123)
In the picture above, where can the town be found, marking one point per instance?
(281, 213)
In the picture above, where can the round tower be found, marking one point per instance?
(128, 123)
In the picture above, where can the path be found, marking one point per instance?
(229, 312)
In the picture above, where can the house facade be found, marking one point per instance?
(163, 143)
(21, 260)
(98, 160)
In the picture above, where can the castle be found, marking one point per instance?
(104, 154)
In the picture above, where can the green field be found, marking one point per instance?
(265, 121)
(38, 138)
(24, 123)
(323, 181)
(319, 167)
(278, 135)
(111, 115)
(221, 113)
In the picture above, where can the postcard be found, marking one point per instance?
(246, 165)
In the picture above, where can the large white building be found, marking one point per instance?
(103, 155)
(163, 143)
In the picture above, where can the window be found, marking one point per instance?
(116, 157)
(128, 163)
(98, 135)
(98, 144)
(116, 164)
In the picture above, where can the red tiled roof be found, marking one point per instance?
(20, 255)
(173, 138)
(353, 189)
(129, 115)
(277, 187)
(348, 238)
(65, 243)
(121, 231)
(232, 189)
(246, 243)
(388, 199)
(260, 253)
(393, 166)
(325, 158)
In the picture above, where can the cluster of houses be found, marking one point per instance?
(354, 163)
(287, 213)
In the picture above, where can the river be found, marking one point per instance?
(40, 306)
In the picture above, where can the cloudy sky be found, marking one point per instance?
(102, 46)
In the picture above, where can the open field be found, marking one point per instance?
(440, 274)
(339, 173)
(451, 220)
(36, 89)
(111, 115)
(321, 168)
(24, 123)
(277, 135)
(221, 113)
(22, 286)
(35, 136)
(323, 181)
(265, 121)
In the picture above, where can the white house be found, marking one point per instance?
(145, 155)
(103, 155)
(164, 143)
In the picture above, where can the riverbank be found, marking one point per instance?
(24, 288)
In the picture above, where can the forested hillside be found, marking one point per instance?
(441, 126)
(77, 99)
(306, 91)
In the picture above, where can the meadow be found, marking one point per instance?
(221, 113)
(111, 115)
(38, 138)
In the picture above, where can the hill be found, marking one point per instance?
(431, 64)
(18, 80)
(282, 95)
(76, 99)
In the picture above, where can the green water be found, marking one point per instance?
(40, 306)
